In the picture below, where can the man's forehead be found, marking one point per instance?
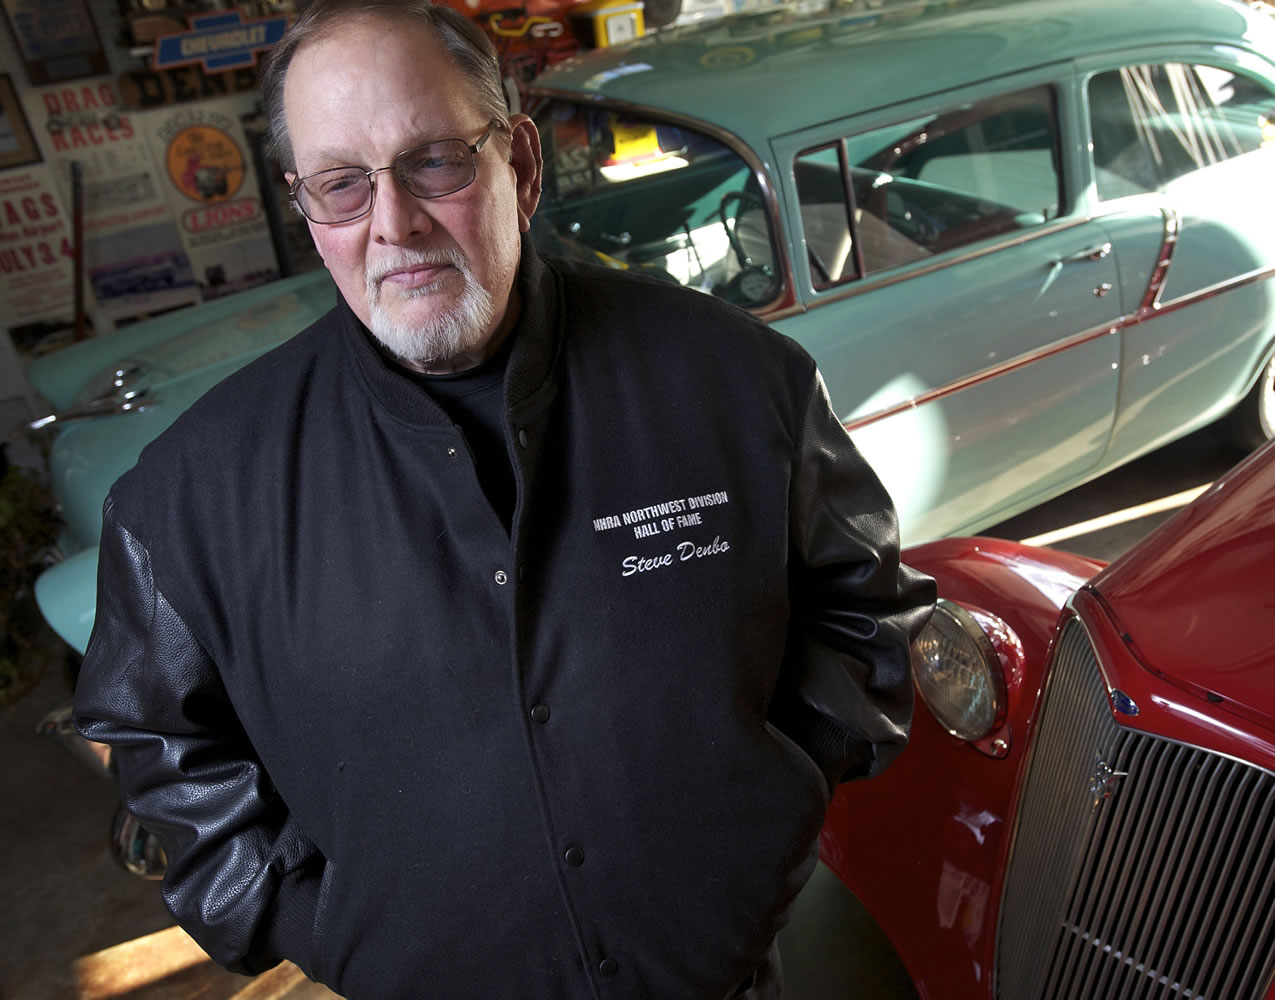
(340, 95)
(386, 47)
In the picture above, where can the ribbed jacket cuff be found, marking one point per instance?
(840, 755)
(288, 931)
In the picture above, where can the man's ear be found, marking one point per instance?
(525, 158)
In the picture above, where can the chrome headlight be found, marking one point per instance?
(958, 673)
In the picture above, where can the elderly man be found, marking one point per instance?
(504, 634)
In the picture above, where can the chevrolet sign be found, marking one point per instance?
(220, 42)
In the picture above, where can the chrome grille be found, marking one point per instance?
(1163, 891)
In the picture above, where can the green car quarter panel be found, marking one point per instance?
(1026, 241)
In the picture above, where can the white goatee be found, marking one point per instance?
(445, 337)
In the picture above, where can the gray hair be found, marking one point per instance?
(464, 41)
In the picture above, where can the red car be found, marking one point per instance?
(1087, 806)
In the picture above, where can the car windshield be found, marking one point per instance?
(653, 197)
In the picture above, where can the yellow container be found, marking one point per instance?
(600, 23)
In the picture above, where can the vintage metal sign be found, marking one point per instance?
(219, 42)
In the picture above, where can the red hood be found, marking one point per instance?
(1197, 596)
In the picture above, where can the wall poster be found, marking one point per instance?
(36, 270)
(134, 258)
(213, 191)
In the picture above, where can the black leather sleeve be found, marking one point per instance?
(846, 693)
(242, 877)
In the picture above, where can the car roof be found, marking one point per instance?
(770, 72)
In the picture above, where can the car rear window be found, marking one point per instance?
(1155, 123)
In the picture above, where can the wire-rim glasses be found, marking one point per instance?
(430, 170)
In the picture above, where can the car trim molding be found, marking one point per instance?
(1143, 315)
(1209, 292)
(1168, 243)
(986, 375)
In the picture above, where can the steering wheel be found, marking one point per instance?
(755, 281)
(746, 200)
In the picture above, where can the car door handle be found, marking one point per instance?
(1096, 252)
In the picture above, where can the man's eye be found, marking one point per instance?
(440, 156)
(429, 162)
(339, 183)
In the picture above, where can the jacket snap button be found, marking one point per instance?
(608, 967)
(451, 452)
(575, 857)
(540, 713)
(522, 438)
(502, 577)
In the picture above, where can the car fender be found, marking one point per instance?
(67, 596)
(944, 804)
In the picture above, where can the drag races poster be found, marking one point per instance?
(36, 269)
(134, 258)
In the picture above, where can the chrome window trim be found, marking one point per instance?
(785, 284)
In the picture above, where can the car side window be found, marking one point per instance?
(825, 215)
(937, 182)
(1152, 124)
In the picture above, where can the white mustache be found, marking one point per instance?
(444, 256)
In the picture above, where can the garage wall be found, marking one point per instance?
(17, 402)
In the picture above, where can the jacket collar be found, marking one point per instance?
(531, 360)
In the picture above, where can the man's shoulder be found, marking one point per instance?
(633, 305)
(238, 410)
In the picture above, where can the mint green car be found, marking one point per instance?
(1026, 241)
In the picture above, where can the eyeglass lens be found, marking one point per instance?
(427, 171)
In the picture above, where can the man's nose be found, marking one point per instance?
(398, 216)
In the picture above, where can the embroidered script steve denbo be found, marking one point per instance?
(683, 552)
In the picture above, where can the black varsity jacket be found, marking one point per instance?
(383, 739)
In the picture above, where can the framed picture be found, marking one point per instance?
(17, 144)
(57, 38)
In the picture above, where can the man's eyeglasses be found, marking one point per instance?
(430, 170)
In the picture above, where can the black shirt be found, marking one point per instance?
(474, 399)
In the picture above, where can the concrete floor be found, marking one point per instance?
(76, 926)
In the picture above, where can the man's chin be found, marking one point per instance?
(420, 311)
